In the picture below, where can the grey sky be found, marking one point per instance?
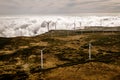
(58, 7)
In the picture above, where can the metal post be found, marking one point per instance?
(90, 51)
(41, 59)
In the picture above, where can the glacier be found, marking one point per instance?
(13, 26)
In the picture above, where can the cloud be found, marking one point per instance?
(58, 6)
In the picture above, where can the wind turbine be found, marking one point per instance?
(74, 25)
(41, 59)
(55, 25)
(90, 46)
(80, 26)
(48, 25)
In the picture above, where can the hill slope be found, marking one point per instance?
(65, 56)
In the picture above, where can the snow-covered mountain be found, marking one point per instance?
(31, 26)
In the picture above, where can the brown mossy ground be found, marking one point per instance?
(65, 56)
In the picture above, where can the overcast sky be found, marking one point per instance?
(58, 7)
